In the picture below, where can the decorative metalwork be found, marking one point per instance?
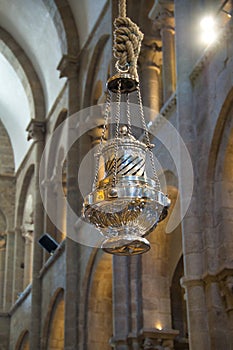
(125, 203)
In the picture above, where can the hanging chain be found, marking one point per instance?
(128, 114)
(148, 143)
(106, 114)
(116, 140)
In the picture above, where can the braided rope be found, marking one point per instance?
(122, 8)
(127, 42)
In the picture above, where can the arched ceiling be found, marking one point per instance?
(14, 109)
(36, 33)
(86, 14)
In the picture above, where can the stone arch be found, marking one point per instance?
(20, 249)
(23, 341)
(7, 163)
(98, 303)
(61, 118)
(64, 22)
(220, 126)
(178, 303)
(53, 335)
(220, 187)
(3, 237)
(92, 81)
(23, 192)
(26, 73)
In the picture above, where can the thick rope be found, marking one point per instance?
(127, 42)
(122, 8)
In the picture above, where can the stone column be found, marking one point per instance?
(136, 303)
(127, 303)
(162, 14)
(2, 266)
(226, 285)
(69, 68)
(27, 278)
(8, 281)
(216, 313)
(36, 130)
(18, 264)
(121, 303)
(155, 282)
(149, 70)
(191, 231)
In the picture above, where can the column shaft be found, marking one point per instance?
(169, 76)
(8, 281)
(191, 230)
(2, 271)
(36, 131)
(28, 261)
(18, 264)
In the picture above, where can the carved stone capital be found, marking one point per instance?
(68, 66)
(226, 285)
(162, 13)
(155, 339)
(36, 130)
(151, 54)
(191, 281)
(28, 235)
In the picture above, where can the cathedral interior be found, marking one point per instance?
(55, 59)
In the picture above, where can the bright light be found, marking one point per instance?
(208, 27)
(207, 23)
(158, 326)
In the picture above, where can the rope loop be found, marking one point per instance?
(127, 45)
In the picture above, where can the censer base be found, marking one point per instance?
(126, 245)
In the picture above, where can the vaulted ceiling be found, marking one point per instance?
(33, 39)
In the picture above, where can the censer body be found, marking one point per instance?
(125, 205)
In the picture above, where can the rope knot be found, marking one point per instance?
(127, 44)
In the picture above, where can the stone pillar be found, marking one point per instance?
(226, 285)
(58, 180)
(18, 264)
(149, 70)
(197, 313)
(27, 278)
(8, 282)
(155, 282)
(36, 130)
(216, 313)
(127, 303)
(191, 231)
(136, 301)
(2, 266)
(163, 15)
(121, 303)
(69, 68)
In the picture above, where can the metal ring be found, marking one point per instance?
(121, 68)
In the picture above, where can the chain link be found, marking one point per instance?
(148, 143)
(128, 114)
(116, 139)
